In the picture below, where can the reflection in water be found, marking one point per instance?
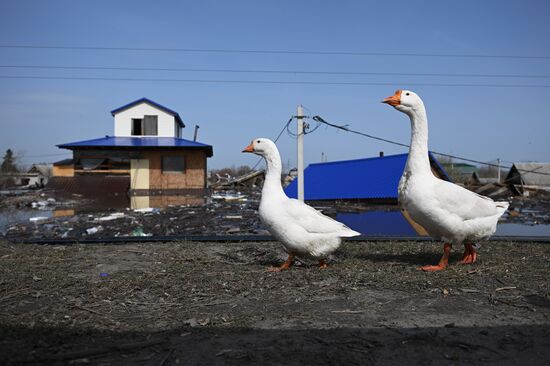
(393, 223)
(63, 212)
(378, 223)
(91, 205)
(138, 202)
(11, 217)
(506, 229)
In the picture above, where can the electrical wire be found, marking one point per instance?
(284, 52)
(274, 82)
(263, 71)
(276, 139)
(347, 129)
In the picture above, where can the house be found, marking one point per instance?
(529, 176)
(40, 173)
(36, 177)
(372, 179)
(460, 172)
(146, 156)
(476, 179)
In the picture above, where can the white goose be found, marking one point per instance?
(447, 211)
(301, 229)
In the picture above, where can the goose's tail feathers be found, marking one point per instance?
(348, 233)
(501, 207)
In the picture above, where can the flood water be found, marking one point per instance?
(394, 224)
(374, 223)
(378, 223)
(513, 229)
(10, 217)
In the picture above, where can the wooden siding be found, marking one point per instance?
(194, 175)
(63, 171)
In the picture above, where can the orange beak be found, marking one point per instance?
(249, 148)
(394, 100)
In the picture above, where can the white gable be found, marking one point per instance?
(167, 124)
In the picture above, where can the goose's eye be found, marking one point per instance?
(407, 93)
(258, 141)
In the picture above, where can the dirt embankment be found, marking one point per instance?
(214, 303)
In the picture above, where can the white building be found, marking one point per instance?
(144, 117)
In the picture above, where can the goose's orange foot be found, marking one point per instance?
(322, 264)
(443, 262)
(469, 259)
(437, 267)
(282, 267)
(470, 254)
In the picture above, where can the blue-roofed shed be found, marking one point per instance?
(374, 179)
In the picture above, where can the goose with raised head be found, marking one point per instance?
(301, 229)
(447, 211)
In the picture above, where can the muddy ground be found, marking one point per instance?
(214, 303)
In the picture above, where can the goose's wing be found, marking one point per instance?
(314, 221)
(461, 202)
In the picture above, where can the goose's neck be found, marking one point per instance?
(418, 160)
(272, 185)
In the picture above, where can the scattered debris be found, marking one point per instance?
(139, 232)
(110, 217)
(146, 210)
(38, 219)
(229, 196)
(224, 213)
(250, 180)
(94, 230)
(505, 288)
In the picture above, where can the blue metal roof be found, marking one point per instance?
(371, 178)
(137, 142)
(154, 104)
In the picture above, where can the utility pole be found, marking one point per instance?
(498, 171)
(300, 118)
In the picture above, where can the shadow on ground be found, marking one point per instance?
(504, 345)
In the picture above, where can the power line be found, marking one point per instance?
(276, 139)
(347, 129)
(274, 82)
(263, 71)
(285, 52)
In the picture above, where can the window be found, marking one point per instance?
(146, 126)
(173, 164)
(136, 126)
(150, 125)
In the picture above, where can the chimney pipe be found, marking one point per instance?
(381, 154)
(196, 133)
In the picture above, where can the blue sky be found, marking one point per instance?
(481, 123)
